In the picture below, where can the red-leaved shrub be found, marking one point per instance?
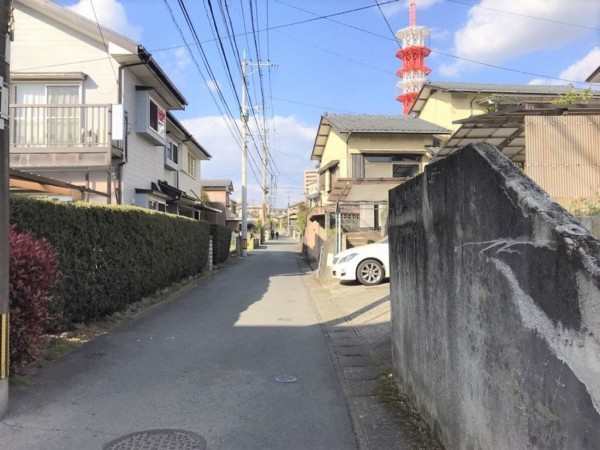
(33, 272)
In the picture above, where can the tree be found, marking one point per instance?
(302, 218)
(574, 96)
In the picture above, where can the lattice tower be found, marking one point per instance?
(413, 53)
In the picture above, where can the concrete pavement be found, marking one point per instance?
(205, 363)
(357, 322)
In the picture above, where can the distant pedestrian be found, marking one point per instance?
(272, 233)
(277, 235)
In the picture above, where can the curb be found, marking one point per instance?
(359, 370)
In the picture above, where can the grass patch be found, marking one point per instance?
(17, 378)
(406, 415)
(57, 346)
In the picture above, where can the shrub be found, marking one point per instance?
(111, 256)
(585, 207)
(33, 272)
(221, 242)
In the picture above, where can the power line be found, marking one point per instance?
(355, 61)
(223, 54)
(324, 108)
(228, 123)
(104, 42)
(386, 21)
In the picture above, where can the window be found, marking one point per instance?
(397, 165)
(172, 152)
(157, 206)
(153, 122)
(56, 119)
(191, 165)
(157, 118)
(151, 117)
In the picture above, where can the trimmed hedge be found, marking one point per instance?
(221, 242)
(111, 256)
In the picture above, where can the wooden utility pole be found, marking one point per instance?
(5, 38)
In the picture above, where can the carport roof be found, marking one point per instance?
(506, 129)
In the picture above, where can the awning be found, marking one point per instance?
(505, 129)
(29, 183)
(329, 165)
(361, 191)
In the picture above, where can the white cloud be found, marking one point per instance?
(111, 14)
(175, 64)
(493, 37)
(578, 71)
(583, 68)
(290, 146)
(213, 85)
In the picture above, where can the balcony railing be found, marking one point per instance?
(62, 136)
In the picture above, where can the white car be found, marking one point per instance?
(369, 264)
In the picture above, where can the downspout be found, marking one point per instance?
(119, 171)
(471, 103)
(348, 152)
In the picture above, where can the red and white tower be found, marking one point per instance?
(412, 54)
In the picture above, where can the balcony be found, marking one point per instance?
(61, 136)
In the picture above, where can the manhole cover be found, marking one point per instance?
(286, 379)
(158, 440)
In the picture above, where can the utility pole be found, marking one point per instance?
(5, 38)
(244, 118)
(288, 216)
(265, 189)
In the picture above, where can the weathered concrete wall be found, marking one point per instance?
(495, 307)
(592, 223)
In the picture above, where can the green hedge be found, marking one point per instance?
(221, 242)
(111, 255)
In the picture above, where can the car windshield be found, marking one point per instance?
(383, 241)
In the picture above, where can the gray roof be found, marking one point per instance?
(366, 123)
(498, 88)
(222, 183)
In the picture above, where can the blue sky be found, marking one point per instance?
(342, 64)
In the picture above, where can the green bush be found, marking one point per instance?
(585, 207)
(111, 256)
(221, 242)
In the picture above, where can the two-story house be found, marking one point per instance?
(92, 108)
(361, 157)
(219, 193)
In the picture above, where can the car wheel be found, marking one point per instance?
(370, 272)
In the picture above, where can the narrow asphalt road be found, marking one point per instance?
(205, 363)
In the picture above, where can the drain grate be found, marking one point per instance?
(158, 440)
(286, 379)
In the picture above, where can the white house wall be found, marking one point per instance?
(145, 160)
(188, 183)
(45, 45)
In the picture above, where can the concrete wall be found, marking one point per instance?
(495, 307)
(592, 223)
